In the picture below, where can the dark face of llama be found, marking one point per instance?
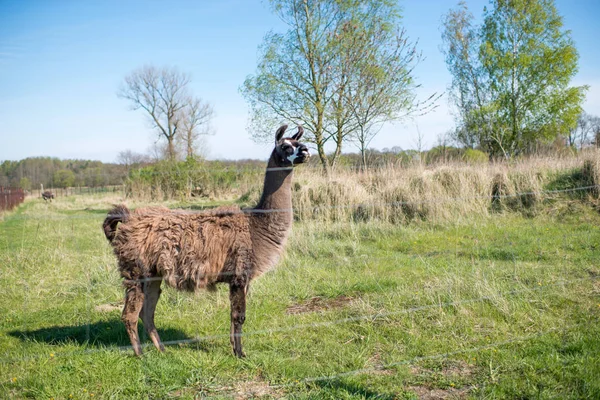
(290, 151)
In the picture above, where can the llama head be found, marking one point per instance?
(289, 151)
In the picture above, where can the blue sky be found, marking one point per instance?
(61, 63)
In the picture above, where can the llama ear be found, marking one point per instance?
(280, 132)
(298, 134)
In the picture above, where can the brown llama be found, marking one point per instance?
(47, 195)
(190, 251)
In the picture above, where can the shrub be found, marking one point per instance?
(472, 156)
(190, 178)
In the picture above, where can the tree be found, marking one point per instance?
(25, 183)
(381, 87)
(294, 72)
(63, 178)
(196, 122)
(129, 159)
(584, 131)
(310, 73)
(511, 75)
(420, 144)
(468, 90)
(165, 96)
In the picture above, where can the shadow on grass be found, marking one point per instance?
(577, 178)
(354, 389)
(100, 334)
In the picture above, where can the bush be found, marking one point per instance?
(63, 178)
(472, 156)
(191, 178)
(25, 183)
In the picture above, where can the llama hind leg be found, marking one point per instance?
(151, 295)
(237, 296)
(134, 300)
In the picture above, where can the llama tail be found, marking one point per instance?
(119, 213)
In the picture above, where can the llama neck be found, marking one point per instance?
(271, 222)
(277, 189)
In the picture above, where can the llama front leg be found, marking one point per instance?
(237, 296)
(134, 300)
(151, 295)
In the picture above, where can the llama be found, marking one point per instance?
(191, 251)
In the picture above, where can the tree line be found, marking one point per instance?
(32, 172)
(344, 68)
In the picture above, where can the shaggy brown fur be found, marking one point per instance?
(190, 251)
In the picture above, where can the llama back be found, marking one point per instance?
(189, 250)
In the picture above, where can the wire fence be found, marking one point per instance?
(228, 391)
(76, 191)
(210, 177)
(313, 325)
(123, 177)
(230, 211)
(408, 309)
(375, 316)
(424, 358)
(296, 383)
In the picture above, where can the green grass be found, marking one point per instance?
(502, 307)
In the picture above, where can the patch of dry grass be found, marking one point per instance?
(440, 193)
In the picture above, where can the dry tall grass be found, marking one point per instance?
(397, 193)
(440, 193)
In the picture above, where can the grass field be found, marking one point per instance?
(505, 306)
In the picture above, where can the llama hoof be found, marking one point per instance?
(240, 354)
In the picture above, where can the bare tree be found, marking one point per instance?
(164, 94)
(584, 133)
(420, 144)
(129, 158)
(157, 151)
(196, 122)
(443, 142)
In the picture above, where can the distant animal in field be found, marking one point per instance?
(191, 251)
(47, 195)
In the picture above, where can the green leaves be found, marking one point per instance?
(342, 67)
(519, 88)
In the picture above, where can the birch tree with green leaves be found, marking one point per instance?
(511, 75)
(293, 77)
(383, 88)
(311, 73)
(468, 90)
